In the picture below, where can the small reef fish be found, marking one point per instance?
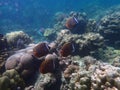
(41, 49)
(49, 65)
(71, 22)
(67, 49)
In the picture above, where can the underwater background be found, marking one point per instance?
(60, 45)
(30, 15)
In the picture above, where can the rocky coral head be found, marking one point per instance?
(13, 38)
(64, 31)
(12, 61)
(49, 64)
(20, 44)
(41, 49)
(27, 61)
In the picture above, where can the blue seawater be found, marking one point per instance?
(36, 14)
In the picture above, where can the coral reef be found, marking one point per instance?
(3, 42)
(70, 62)
(78, 81)
(48, 82)
(109, 28)
(106, 54)
(18, 38)
(91, 25)
(84, 44)
(95, 75)
(83, 25)
(59, 16)
(24, 62)
(11, 80)
(69, 70)
(105, 77)
(3, 56)
(49, 34)
(116, 61)
(3, 52)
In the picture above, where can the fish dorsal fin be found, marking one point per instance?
(75, 20)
